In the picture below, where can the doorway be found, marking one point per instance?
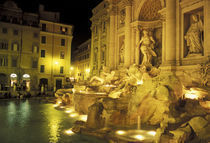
(58, 84)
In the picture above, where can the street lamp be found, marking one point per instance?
(56, 62)
(87, 70)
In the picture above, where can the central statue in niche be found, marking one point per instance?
(146, 45)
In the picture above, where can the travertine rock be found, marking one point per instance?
(198, 125)
(153, 99)
(182, 134)
(95, 119)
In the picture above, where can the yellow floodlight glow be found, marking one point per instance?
(69, 132)
(62, 107)
(139, 82)
(83, 118)
(56, 62)
(73, 90)
(120, 132)
(152, 133)
(69, 111)
(73, 115)
(139, 137)
(192, 94)
(71, 68)
(87, 70)
(55, 105)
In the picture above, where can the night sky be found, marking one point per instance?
(77, 13)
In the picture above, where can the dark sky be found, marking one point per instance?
(75, 12)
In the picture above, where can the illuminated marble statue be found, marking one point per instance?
(105, 77)
(193, 36)
(146, 45)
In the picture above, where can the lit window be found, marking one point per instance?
(35, 49)
(62, 55)
(3, 61)
(4, 45)
(15, 47)
(63, 29)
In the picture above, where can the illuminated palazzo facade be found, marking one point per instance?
(55, 50)
(19, 46)
(81, 61)
(35, 49)
(179, 29)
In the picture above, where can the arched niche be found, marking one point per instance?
(150, 4)
(148, 17)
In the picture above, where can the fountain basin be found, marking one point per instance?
(146, 136)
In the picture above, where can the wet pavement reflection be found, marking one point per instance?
(30, 121)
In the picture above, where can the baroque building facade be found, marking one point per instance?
(35, 49)
(81, 61)
(170, 34)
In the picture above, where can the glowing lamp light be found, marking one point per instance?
(109, 85)
(13, 75)
(73, 90)
(139, 137)
(55, 105)
(71, 68)
(152, 133)
(74, 115)
(192, 94)
(69, 110)
(87, 70)
(83, 118)
(56, 63)
(69, 132)
(26, 76)
(62, 107)
(120, 132)
(139, 82)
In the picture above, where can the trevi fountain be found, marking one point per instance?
(158, 91)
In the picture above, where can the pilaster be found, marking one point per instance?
(128, 34)
(170, 50)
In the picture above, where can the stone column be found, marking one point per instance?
(170, 33)
(128, 15)
(99, 46)
(207, 28)
(163, 17)
(137, 50)
(112, 37)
